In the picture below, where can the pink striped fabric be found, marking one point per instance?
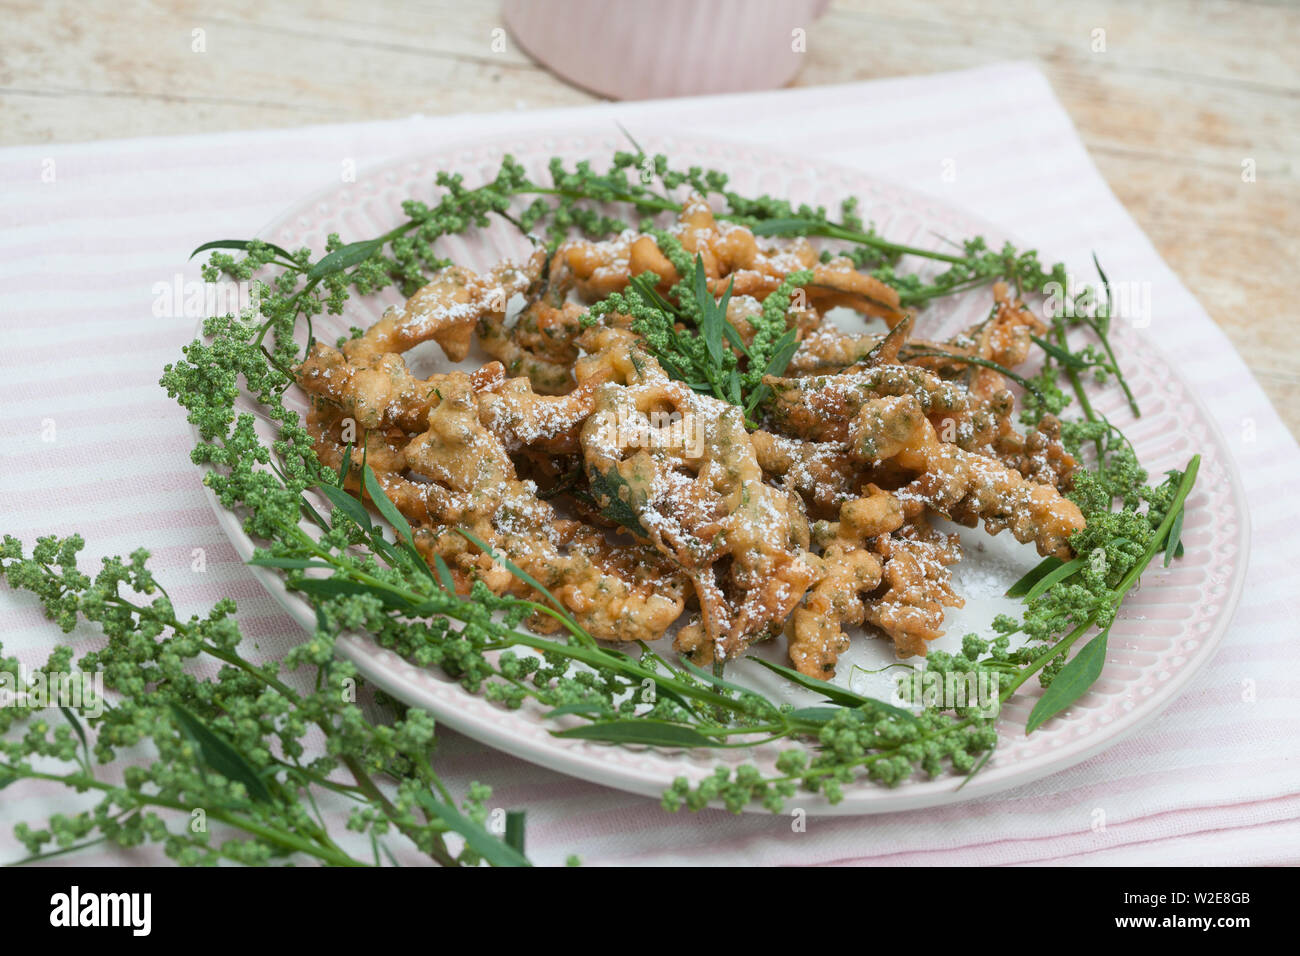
(91, 444)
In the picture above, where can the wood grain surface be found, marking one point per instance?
(1183, 95)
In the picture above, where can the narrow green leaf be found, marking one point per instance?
(71, 717)
(218, 754)
(385, 505)
(979, 765)
(515, 830)
(581, 707)
(349, 505)
(444, 574)
(1021, 587)
(1054, 577)
(1174, 543)
(344, 258)
(734, 338)
(478, 839)
(784, 350)
(713, 679)
(650, 733)
(710, 321)
(815, 715)
(242, 244)
(341, 587)
(345, 465)
(1066, 358)
(834, 693)
(1079, 674)
(1105, 282)
(786, 227)
(295, 564)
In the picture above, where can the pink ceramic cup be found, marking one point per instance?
(629, 50)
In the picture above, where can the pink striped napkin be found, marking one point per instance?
(91, 444)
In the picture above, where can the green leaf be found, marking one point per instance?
(349, 505)
(217, 754)
(581, 707)
(734, 338)
(1053, 577)
(1066, 358)
(710, 323)
(712, 678)
(345, 466)
(342, 587)
(515, 830)
(386, 506)
(478, 839)
(1021, 587)
(786, 227)
(1174, 543)
(1105, 285)
(241, 244)
(1079, 674)
(834, 693)
(444, 574)
(651, 733)
(815, 715)
(979, 765)
(294, 564)
(71, 717)
(783, 351)
(344, 258)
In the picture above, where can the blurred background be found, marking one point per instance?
(1190, 109)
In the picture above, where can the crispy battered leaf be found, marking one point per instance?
(605, 489)
(524, 576)
(900, 331)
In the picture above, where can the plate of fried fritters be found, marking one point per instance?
(816, 541)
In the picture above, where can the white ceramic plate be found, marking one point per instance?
(1166, 631)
